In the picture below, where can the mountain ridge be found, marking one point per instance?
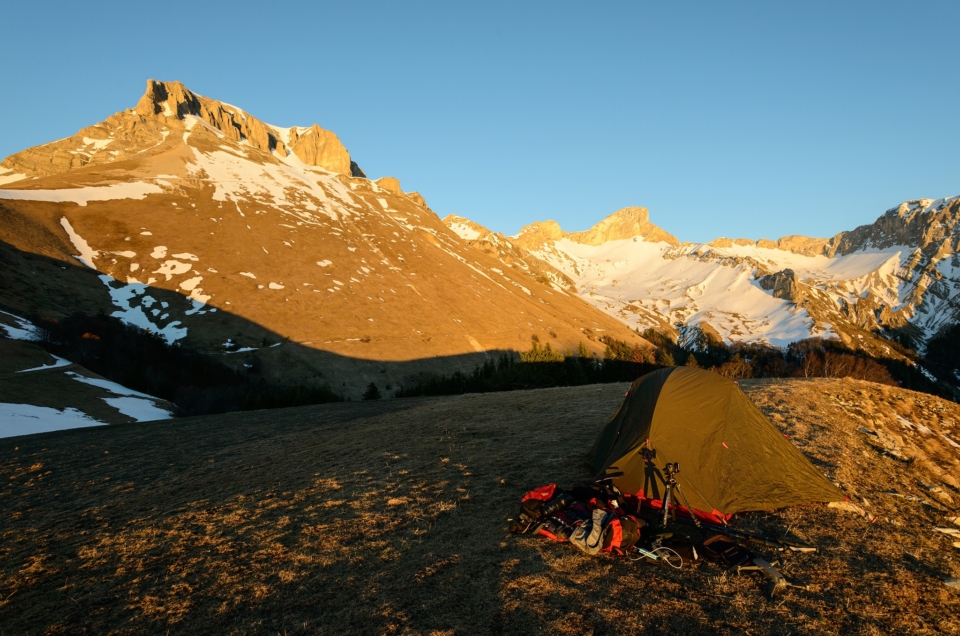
(900, 274)
(208, 227)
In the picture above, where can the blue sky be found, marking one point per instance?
(738, 119)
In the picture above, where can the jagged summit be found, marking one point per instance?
(314, 146)
(632, 222)
(148, 130)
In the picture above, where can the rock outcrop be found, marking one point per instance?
(797, 244)
(390, 184)
(319, 147)
(933, 226)
(537, 233)
(783, 284)
(632, 222)
(165, 106)
(623, 224)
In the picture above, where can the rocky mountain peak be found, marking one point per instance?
(537, 233)
(167, 106)
(314, 146)
(171, 99)
(931, 225)
(319, 147)
(624, 223)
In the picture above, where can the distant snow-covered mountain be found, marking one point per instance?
(901, 272)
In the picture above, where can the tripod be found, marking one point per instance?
(670, 484)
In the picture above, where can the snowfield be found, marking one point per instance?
(642, 283)
(26, 419)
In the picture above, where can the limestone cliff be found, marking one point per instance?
(625, 223)
(632, 222)
(537, 233)
(164, 108)
(319, 147)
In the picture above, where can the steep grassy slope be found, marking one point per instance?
(64, 391)
(389, 517)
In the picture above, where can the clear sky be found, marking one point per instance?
(738, 119)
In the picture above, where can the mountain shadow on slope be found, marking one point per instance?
(143, 361)
(198, 381)
(943, 353)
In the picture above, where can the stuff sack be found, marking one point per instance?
(622, 533)
(539, 503)
(531, 506)
(588, 536)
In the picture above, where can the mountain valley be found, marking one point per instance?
(269, 250)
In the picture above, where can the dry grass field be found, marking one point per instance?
(390, 518)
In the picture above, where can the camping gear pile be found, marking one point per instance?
(734, 460)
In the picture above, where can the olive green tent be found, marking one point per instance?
(731, 457)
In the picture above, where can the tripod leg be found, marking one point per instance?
(666, 506)
(686, 503)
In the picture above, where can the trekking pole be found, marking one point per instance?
(759, 539)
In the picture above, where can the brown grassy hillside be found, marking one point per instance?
(390, 517)
(202, 225)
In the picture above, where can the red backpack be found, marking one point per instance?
(622, 533)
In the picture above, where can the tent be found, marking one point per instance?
(731, 457)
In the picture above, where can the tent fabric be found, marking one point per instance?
(732, 458)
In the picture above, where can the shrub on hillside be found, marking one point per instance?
(541, 353)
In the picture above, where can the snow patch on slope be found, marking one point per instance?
(296, 189)
(27, 419)
(464, 231)
(24, 330)
(57, 363)
(87, 253)
(125, 295)
(82, 196)
(139, 406)
(8, 176)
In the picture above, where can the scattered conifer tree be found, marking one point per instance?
(372, 392)
(665, 358)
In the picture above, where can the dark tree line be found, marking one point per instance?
(198, 384)
(531, 371)
(542, 366)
